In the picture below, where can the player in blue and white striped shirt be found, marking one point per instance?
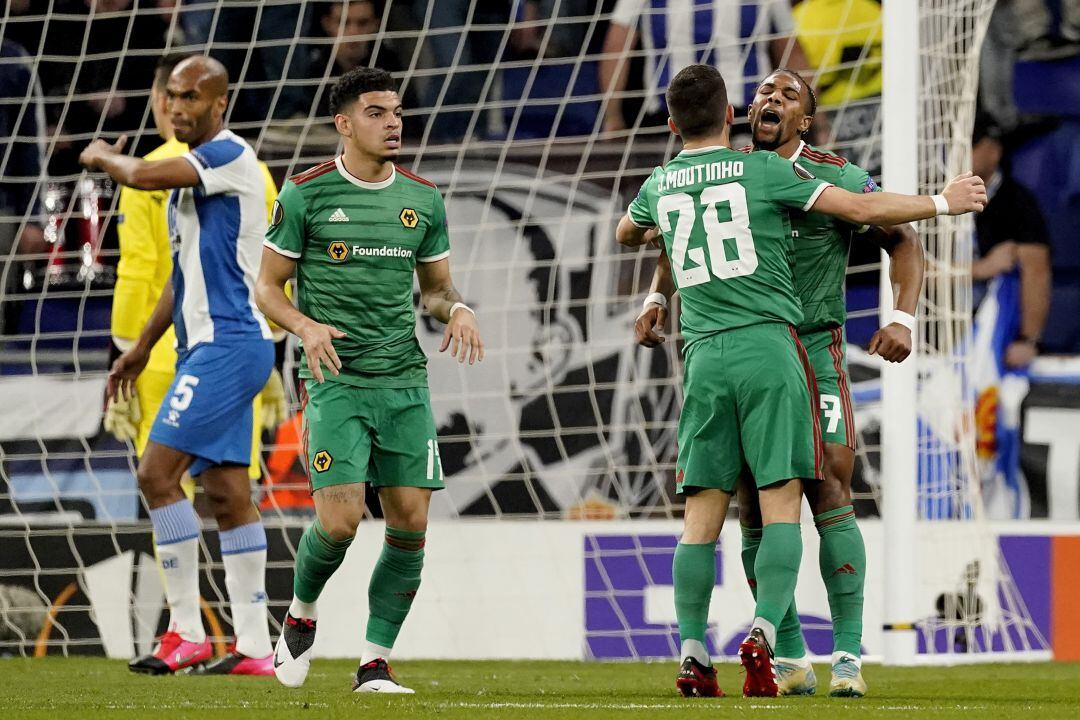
(217, 218)
(740, 38)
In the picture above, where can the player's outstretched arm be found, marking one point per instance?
(649, 326)
(965, 193)
(274, 271)
(127, 367)
(906, 269)
(444, 302)
(135, 172)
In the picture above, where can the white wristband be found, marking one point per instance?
(655, 299)
(940, 204)
(460, 306)
(902, 318)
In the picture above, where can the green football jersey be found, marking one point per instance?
(724, 218)
(356, 245)
(822, 243)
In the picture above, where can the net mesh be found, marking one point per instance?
(979, 610)
(538, 121)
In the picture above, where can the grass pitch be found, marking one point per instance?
(80, 688)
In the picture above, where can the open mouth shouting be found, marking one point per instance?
(769, 119)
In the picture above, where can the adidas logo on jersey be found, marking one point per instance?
(339, 216)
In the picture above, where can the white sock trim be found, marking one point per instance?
(695, 649)
(374, 652)
(839, 655)
(768, 628)
(300, 609)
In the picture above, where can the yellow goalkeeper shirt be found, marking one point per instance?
(835, 34)
(145, 263)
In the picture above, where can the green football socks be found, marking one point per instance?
(394, 584)
(693, 573)
(317, 557)
(776, 570)
(789, 638)
(843, 568)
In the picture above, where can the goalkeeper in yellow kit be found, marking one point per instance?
(144, 270)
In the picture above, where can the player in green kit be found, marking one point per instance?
(354, 230)
(749, 395)
(782, 111)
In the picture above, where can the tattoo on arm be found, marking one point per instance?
(448, 293)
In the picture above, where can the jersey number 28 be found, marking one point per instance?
(716, 233)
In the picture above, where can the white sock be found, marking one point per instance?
(374, 652)
(245, 580)
(300, 609)
(768, 628)
(840, 655)
(180, 570)
(695, 649)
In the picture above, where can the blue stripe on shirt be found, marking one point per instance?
(216, 153)
(749, 80)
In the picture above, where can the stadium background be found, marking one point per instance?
(569, 422)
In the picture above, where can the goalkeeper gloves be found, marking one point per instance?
(274, 409)
(122, 417)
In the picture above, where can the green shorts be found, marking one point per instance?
(385, 436)
(747, 400)
(827, 349)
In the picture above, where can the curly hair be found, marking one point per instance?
(355, 83)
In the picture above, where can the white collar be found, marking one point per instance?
(798, 151)
(379, 185)
(699, 151)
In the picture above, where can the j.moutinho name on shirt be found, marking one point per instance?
(697, 174)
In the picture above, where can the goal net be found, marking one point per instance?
(538, 121)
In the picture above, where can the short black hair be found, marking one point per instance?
(697, 101)
(355, 83)
(165, 65)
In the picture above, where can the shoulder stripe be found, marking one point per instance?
(413, 176)
(826, 160)
(746, 149)
(821, 157)
(312, 173)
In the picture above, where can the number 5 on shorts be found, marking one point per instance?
(831, 405)
(185, 391)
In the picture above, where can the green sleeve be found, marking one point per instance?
(854, 179)
(436, 242)
(641, 211)
(791, 185)
(287, 223)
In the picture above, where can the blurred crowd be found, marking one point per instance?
(468, 70)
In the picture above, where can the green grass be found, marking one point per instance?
(72, 689)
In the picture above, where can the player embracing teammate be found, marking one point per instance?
(750, 396)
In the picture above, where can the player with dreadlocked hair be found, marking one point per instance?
(780, 118)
